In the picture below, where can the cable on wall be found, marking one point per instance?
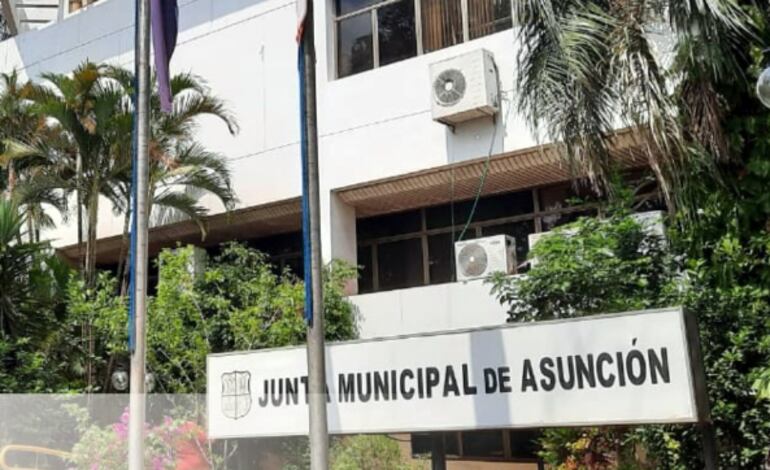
(484, 173)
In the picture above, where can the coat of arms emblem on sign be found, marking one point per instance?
(236, 394)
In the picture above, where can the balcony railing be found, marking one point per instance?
(440, 307)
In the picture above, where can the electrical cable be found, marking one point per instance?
(484, 175)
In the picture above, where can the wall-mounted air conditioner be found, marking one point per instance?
(464, 87)
(483, 256)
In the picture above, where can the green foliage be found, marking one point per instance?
(375, 452)
(177, 331)
(716, 269)
(584, 65)
(96, 308)
(592, 266)
(236, 302)
(101, 307)
(371, 452)
(253, 307)
(20, 268)
(32, 284)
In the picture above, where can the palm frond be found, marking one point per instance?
(177, 206)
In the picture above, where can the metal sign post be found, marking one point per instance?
(316, 360)
(137, 384)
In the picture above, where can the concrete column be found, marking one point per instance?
(338, 233)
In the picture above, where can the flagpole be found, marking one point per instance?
(316, 349)
(137, 399)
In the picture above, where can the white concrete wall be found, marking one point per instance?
(441, 307)
(372, 125)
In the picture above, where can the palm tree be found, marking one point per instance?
(585, 65)
(181, 169)
(18, 297)
(17, 121)
(93, 111)
(21, 131)
(35, 162)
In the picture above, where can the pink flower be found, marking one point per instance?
(157, 463)
(121, 430)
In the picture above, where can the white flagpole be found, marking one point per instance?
(316, 349)
(137, 399)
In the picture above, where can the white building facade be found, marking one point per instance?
(396, 186)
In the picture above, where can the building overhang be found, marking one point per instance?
(527, 168)
(240, 224)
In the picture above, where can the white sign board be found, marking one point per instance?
(600, 370)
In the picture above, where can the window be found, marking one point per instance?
(416, 247)
(354, 36)
(396, 32)
(501, 445)
(373, 33)
(483, 444)
(442, 24)
(441, 262)
(488, 16)
(518, 230)
(399, 264)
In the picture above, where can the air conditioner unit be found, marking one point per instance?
(464, 87)
(483, 256)
(651, 222)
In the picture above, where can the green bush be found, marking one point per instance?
(611, 265)
(238, 302)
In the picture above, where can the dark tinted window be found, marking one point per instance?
(488, 16)
(488, 208)
(396, 32)
(349, 6)
(276, 245)
(504, 205)
(523, 444)
(439, 216)
(400, 264)
(442, 24)
(422, 444)
(355, 44)
(441, 258)
(295, 265)
(483, 444)
(564, 195)
(389, 225)
(452, 444)
(365, 273)
(519, 231)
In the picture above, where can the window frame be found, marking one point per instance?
(507, 456)
(475, 230)
(373, 11)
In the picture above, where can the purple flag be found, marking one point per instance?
(165, 26)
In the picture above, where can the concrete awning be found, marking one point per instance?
(527, 168)
(241, 224)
